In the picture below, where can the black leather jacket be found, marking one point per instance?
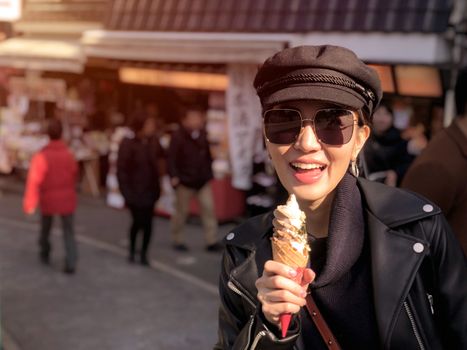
(419, 277)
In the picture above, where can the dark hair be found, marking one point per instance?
(54, 129)
(461, 92)
(200, 108)
(137, 121)
(388, 108)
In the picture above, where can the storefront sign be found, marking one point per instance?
(186, 80)
(10, 10)
(244, 121)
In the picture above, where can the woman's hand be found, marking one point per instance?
(278, 291)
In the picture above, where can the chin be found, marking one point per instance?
(308, 194)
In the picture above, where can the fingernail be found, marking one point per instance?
(292, 273)
(304, 294)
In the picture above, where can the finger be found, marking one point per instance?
(274, 310)
(284, 296)
(272, 267)
(284, 283)
(308, 277)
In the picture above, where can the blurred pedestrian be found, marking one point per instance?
(385, 152)
(440, 172)
(190, 170)
(138, 172)
(51, 185)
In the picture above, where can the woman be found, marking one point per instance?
(385, 270)
(139, 181)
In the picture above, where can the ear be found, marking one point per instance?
(363, 132)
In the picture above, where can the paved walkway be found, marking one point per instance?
(108, 303)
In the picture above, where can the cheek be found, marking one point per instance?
(339, 162)
(275, 154)
(278, 160)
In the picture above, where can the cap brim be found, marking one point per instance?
(321, 92)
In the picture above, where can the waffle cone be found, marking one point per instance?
(283, 252)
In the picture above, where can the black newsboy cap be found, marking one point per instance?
(326, 73)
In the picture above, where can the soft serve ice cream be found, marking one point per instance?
(289, 240)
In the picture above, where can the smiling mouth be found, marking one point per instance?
(306, 167)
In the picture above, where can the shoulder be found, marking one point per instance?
(439, 150)
(249, 234)
(178, 133)
(395, 206)
(39, 158)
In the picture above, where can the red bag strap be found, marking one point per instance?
(323, 328)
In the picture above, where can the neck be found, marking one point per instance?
(317, 216)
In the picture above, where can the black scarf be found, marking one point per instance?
(342, 288)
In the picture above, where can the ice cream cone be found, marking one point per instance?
(284, 253)
(290, 244)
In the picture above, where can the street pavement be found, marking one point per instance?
(109, 303)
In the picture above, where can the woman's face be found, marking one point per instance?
(194, 120)
(309, 168)
(149, 127)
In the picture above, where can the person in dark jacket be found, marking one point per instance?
(190, 170)
(138, 173)
(384, 271)
(385, 152)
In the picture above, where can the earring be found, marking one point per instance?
(354, 168)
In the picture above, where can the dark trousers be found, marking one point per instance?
(71, 255)
(142, 221)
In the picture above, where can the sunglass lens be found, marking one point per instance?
(282, 126)
(334, 126)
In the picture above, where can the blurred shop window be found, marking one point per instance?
(420, 81)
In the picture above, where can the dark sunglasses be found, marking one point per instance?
(332, 126)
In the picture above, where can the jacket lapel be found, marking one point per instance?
(394, 263)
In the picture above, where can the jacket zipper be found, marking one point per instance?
(414, 326)
(232, 287)
(257, 339)
(430, 300)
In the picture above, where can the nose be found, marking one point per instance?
(307, 141)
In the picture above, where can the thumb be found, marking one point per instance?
(308, 276)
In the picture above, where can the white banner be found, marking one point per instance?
(244, 121)
(10, 10)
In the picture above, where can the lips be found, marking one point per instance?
(307, 172)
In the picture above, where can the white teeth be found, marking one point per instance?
(306, 166)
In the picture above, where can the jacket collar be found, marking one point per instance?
(54, 144)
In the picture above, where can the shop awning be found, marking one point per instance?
(182, 47)
(43, 55)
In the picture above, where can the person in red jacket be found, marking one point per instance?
(51, 186)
